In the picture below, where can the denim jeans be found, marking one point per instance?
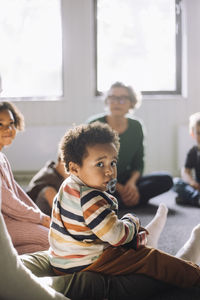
(186, 192)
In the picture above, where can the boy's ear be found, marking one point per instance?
(73, 168)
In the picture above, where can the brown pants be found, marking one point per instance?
(148, 261)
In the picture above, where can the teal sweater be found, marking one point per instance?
(131, 153)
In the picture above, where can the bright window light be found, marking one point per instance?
(31, 49)
(136, 44)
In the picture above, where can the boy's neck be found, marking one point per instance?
(77, 179)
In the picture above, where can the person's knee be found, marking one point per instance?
(88, 285)
(38, 263)
(168, 180)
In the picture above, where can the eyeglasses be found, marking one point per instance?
(119, 99)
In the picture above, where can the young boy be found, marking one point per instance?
(86, 233)
(188, 187)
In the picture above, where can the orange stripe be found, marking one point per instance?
(56, 215)
(106, 228)
(71, 191)
(88, 212)
(76, 227)
(67, 225)
(61, 240)
(67, 256)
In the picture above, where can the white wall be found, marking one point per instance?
(162, 117)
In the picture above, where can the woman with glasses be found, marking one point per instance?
(132, 188)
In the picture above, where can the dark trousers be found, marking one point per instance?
(186, 192)
(95, 286)
(150, 186)
(154, 184)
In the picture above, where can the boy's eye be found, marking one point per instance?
(100, 164)
(113, 163)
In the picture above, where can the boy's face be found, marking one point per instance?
(196, 133)
(98, 167)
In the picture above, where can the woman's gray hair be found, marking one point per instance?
(135, 97)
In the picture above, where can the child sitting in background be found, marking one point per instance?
(45, 184)
(86, 233)
(188, 188)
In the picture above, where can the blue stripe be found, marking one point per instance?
(71, 270)
(99, 218)
(69, 215)
(77, 237)
(94, 194)
(55, 200)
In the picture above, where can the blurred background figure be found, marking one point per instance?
(188, 187)
(45, 184)
(133, 187)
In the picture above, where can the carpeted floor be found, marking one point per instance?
(180, 221)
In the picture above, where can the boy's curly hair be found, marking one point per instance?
(73, 145)
(17, 115)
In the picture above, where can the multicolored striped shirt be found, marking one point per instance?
(84, 223)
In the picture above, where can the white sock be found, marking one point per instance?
(155, 227)
(191, 250)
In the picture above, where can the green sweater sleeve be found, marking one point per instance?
(131, 154)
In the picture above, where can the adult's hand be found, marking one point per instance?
(46, 220)
(195, 185)
(49, 193)
(129, 194)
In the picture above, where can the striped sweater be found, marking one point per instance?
(84, 223)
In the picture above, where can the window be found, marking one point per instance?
(31, 49)
(138, 42)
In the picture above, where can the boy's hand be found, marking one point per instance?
(143, 229)
(142, 239)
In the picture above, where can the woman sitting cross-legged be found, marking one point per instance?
(133, 187)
